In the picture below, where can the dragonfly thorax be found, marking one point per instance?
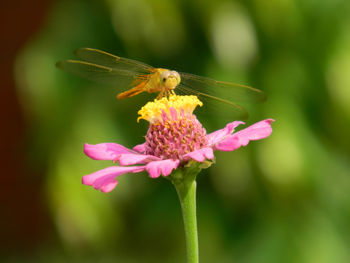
(170, 79)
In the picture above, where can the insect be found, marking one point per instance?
(102, 67)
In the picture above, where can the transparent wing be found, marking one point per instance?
(102, 58)
(212, 105)
(101, 74)
(230, 92)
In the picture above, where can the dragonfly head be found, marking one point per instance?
(170, 79)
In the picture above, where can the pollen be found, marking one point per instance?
(174, 105)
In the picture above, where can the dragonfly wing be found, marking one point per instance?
(100, 57)
(99, 73)
(227, 90)
(212, 104)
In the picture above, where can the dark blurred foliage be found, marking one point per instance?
(283, 199)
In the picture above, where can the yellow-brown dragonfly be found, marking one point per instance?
(102, 67)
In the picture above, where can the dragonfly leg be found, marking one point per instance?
(168, 93)
(160, 95)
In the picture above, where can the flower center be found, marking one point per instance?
(174, 129)
(152, 111)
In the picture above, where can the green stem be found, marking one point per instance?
(185, 183)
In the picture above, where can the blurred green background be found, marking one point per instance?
(282, 199)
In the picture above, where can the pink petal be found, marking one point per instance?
(133, 158)
(105, 151)
(104, 179)
(257, 131)
(140, 148)
(109, 186)
(164, 167)
(200, 155)
(218, 135)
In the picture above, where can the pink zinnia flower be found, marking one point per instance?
(175, 137)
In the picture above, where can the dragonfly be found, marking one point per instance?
(133, 77)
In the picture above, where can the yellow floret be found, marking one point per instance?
(152, 110)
